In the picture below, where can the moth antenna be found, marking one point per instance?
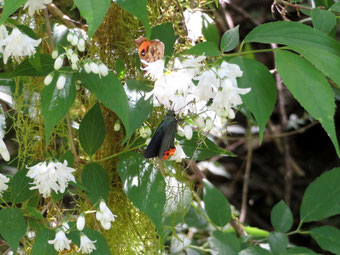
(185, 105)
(158, 100)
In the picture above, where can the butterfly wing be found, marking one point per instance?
(167, 143)
(156, 141)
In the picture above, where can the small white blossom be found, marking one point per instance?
(69, 37)
(3, 185)
(81, 45)
(4, 151)
(179, 155)
(209, 124)
(81, 222)
(61, 81)
(74, 66)
(116, 126)
(74, 41)
(3, 33)
(105, 216)
(48, 79)
(74, 58)
(86, 245)
(94, 68)
(18, 45)
(60, 241)
(188, 132)
(58, 62)
(36, 5)
(69, 52)
(199, 122)
(51, 176)
(55, 54)
(194, 23)
(87, 68)
(103, 70)
(147, 131)
(154, 69)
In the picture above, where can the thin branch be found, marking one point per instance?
(55, 11)
(285, 3)
(246, 177)
(73, 146)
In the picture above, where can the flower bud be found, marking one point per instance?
(74, 58)
(55, 54)
(116, 127)
(69, 52)
(74, 41)
(147, 131)
(103, 70)
(58, 62)
(231, 114)
(209, 124)
(94, 68)
(65, 226)
(61, 81)
(81, 49)
(81, 43)
(87, 68)
(74, 66)
(69, 37)
(142, 132)
(81, 222)
(188, 132)
(199, 122)
(48, 79)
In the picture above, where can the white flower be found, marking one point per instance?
(81, 45)
(18, 45)
(60, 241)
(209, 124)
(103, 70)
(4, 151)
(194, 23)
(81, 222)
(69, 52)
(179, 155)
(87, 68)
(188, 132)
(154, 69)
(51, 176)
(74, 66)
(86, 245)
(105, 216)
(3, 185)
(61, 81)
(74, 58)
(55, 54)
(48, 79)
(36, 5)
(59, 62)
(3, 34)
(94, 68)
(199, 122)
(74, 41)
(69, 37)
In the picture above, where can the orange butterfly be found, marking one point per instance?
(150, 51)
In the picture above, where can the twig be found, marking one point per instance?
(55, 11)
(49, 32)
(292, 5)
(73, 146)
(246, 177)
(244, 13)
(237, 225)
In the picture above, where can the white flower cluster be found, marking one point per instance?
(3, 148)
(16, 45)
(78, 42)
(36, 5)
(52, 176)
(61, 242)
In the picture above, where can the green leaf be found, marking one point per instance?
(120, 69)
(41, 245)
(138, 9)
(326, 62)
(202, 150)
(335, 7)
(144, 186)
(310, 88)
(281, 217)
(314, 206)
(254, 250)
(35, 61)
(300, 251)
(34, 212)
(10, 7)
(26, 68)
(278, 243)
(262, 97)
(12, 226)
(327, 238)
(166, 34)
(216, 205)
(21, 187)
(230, 39)
(323, 20)
(224, 243)
(210, 31)
(96, 181)
(209, 49)
(110, 92)
(293, 34)
(55, 102)
(93, 11)
(137, 86)
(69, 157)
(92, 130)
